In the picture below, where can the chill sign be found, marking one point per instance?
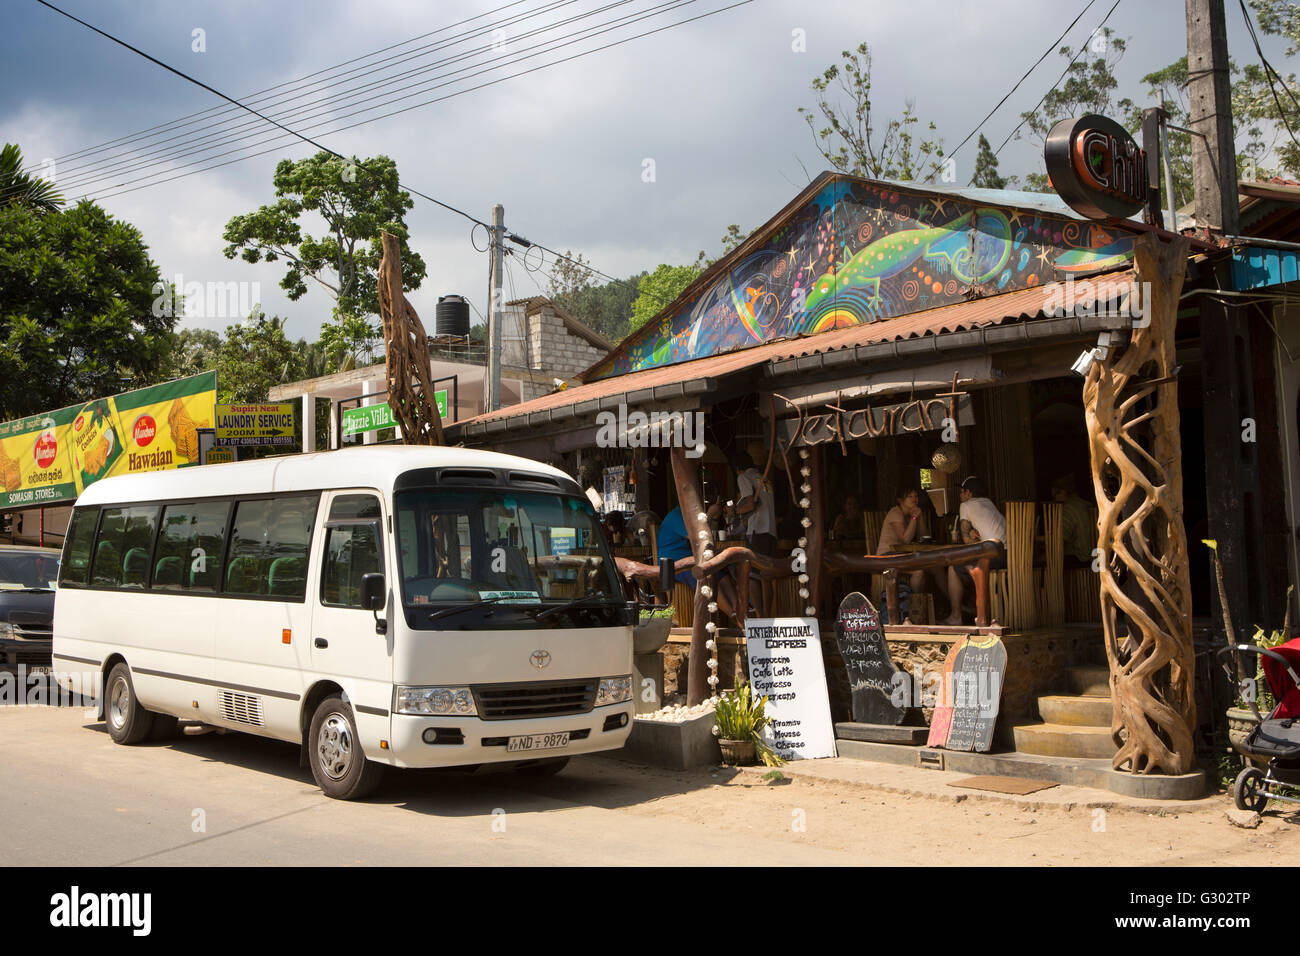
(1096, 167)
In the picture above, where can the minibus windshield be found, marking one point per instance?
(512, 549)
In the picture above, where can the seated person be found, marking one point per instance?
(901, 526)
(1076, 523)
(849, 522)
(979, 520)
(674, 543)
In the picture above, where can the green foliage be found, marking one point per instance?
(77, 289)
(255, 356)
(349, 343)
(1269, 110)
(21, 190)
(603, 307)
(738, 716)
(357, 199)
(195, 351)
(849, 138)
(657, 290)
(986, 168)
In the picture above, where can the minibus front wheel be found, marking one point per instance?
(334, 751)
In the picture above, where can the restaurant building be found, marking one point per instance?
(874, 337)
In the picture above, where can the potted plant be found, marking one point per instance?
(738, 721)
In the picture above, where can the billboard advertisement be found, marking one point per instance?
(52, 457)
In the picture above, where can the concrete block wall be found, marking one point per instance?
(554, 349)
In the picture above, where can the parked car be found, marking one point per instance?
(27, 581)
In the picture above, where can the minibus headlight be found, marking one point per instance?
(614, 690)
(456, 701)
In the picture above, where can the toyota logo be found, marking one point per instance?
(540, 659)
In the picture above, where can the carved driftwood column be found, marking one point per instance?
(1131, 410)
(691, 501)
(406, 359)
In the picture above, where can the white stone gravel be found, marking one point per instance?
(679, 713)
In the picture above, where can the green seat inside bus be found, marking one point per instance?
(167, 572)
(244, 576)
(288, 577)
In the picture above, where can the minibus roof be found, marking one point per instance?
(366, 467)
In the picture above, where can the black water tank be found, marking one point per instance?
(452, 316)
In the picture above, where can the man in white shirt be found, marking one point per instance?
(979, 520)
(756, 505)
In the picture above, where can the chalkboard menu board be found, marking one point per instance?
(971, 694)
(874, 680)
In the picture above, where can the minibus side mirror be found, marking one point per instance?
(374, 597)
(373, 592)
(667, 575)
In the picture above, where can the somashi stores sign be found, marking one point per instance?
(53, 457)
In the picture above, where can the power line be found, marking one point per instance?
(1019, 81)
(323, 148)
(1269, 74)
(262, 94)
(216, 138)
(1025, 117)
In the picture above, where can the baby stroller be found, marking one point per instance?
(1277, 736)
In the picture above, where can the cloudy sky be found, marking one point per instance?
(712, 102)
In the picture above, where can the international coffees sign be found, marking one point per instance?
(785, 666)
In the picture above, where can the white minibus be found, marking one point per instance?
(395, 605)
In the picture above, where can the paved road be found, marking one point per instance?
(84, 801)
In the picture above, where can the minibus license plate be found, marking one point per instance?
(538, 742)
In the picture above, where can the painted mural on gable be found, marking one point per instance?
(861, 252)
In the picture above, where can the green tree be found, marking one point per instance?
(1270, 108)
(1088, 86)
(255, 356)
(986, 168)
(658, 290)
(77, 290)
(195, 351)
(358, 199)
(603, 307)
(849, 137)
(346, 344)
(19, 189)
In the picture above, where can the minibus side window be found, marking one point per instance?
(351, 550)
(81, 536)
(269, 542)
(189, 546)
(121, 558)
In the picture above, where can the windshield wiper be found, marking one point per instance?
(456, 609)
(587, 599)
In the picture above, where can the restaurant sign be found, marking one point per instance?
(1096, 167)
(833, 423)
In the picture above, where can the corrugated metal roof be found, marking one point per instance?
(696, 375)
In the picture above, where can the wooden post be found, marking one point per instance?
(406, 358)
(979, 574)
(1131, 411)
(691, 501)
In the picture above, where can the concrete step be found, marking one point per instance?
(1076, 711)
(1064, 740)
(1092, 681)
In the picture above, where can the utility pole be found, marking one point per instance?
(492, 393)
(1232, 485)
(1214, 154)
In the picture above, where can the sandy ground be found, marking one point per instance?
(235, 799)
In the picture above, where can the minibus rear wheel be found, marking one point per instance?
(334, 751)
(128, 722)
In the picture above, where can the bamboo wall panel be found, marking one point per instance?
(1053, 591)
